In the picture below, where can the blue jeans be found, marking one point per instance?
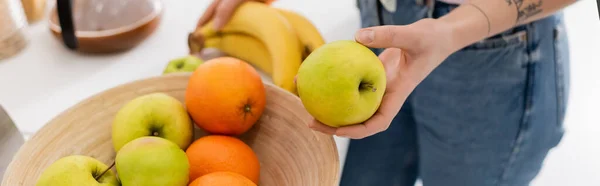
(487, 116)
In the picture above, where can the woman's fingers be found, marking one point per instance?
(391, 59)
(318, 126)
(224, 11)
(379, 122)
(372, 126)
(220, 11)
(390, 55)
(396, 93)
(208, 13)
(403, 37)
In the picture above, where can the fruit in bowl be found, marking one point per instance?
(152, 161)
(221, 121)
(225, 96)
(222, 178)
(154, 114)
(283, 151)
(214, 153)
(341, 83)
(76, 170)
(187, 63)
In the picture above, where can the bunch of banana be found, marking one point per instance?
(274, 40)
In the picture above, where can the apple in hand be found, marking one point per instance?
(77, 170)
(154, 114)
(341, 83)
(183, 64)
(152, 161)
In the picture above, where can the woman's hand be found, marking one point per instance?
(413, 51)
(221, 10)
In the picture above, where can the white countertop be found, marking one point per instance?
(46, 78)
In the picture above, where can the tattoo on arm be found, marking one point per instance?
(486, 17)
(525, 11)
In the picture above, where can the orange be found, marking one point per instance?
(225, 95)
(214, 153)
(222, 179)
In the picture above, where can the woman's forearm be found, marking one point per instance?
(478, 19)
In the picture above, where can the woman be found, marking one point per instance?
(477, 91)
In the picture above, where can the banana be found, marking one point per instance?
(244, 47)
(307, 33)
(267, 25)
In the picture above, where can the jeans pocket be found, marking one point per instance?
(504, 54)
(506, 50)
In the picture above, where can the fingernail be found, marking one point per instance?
(365, 36)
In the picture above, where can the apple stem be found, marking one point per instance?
(102, 174)
(367, 86)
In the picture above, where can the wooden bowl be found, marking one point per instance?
(106, 26)
(290, 153)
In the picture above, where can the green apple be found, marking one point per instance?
(152, 161)
(183, 64)
(341, 83)
(154, 114)
(77, 170)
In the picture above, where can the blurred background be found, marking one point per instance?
(44, 78)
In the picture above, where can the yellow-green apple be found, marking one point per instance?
(154, 114)
(152, 161)
(187, 63)
(77, 170)
(341, 83)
